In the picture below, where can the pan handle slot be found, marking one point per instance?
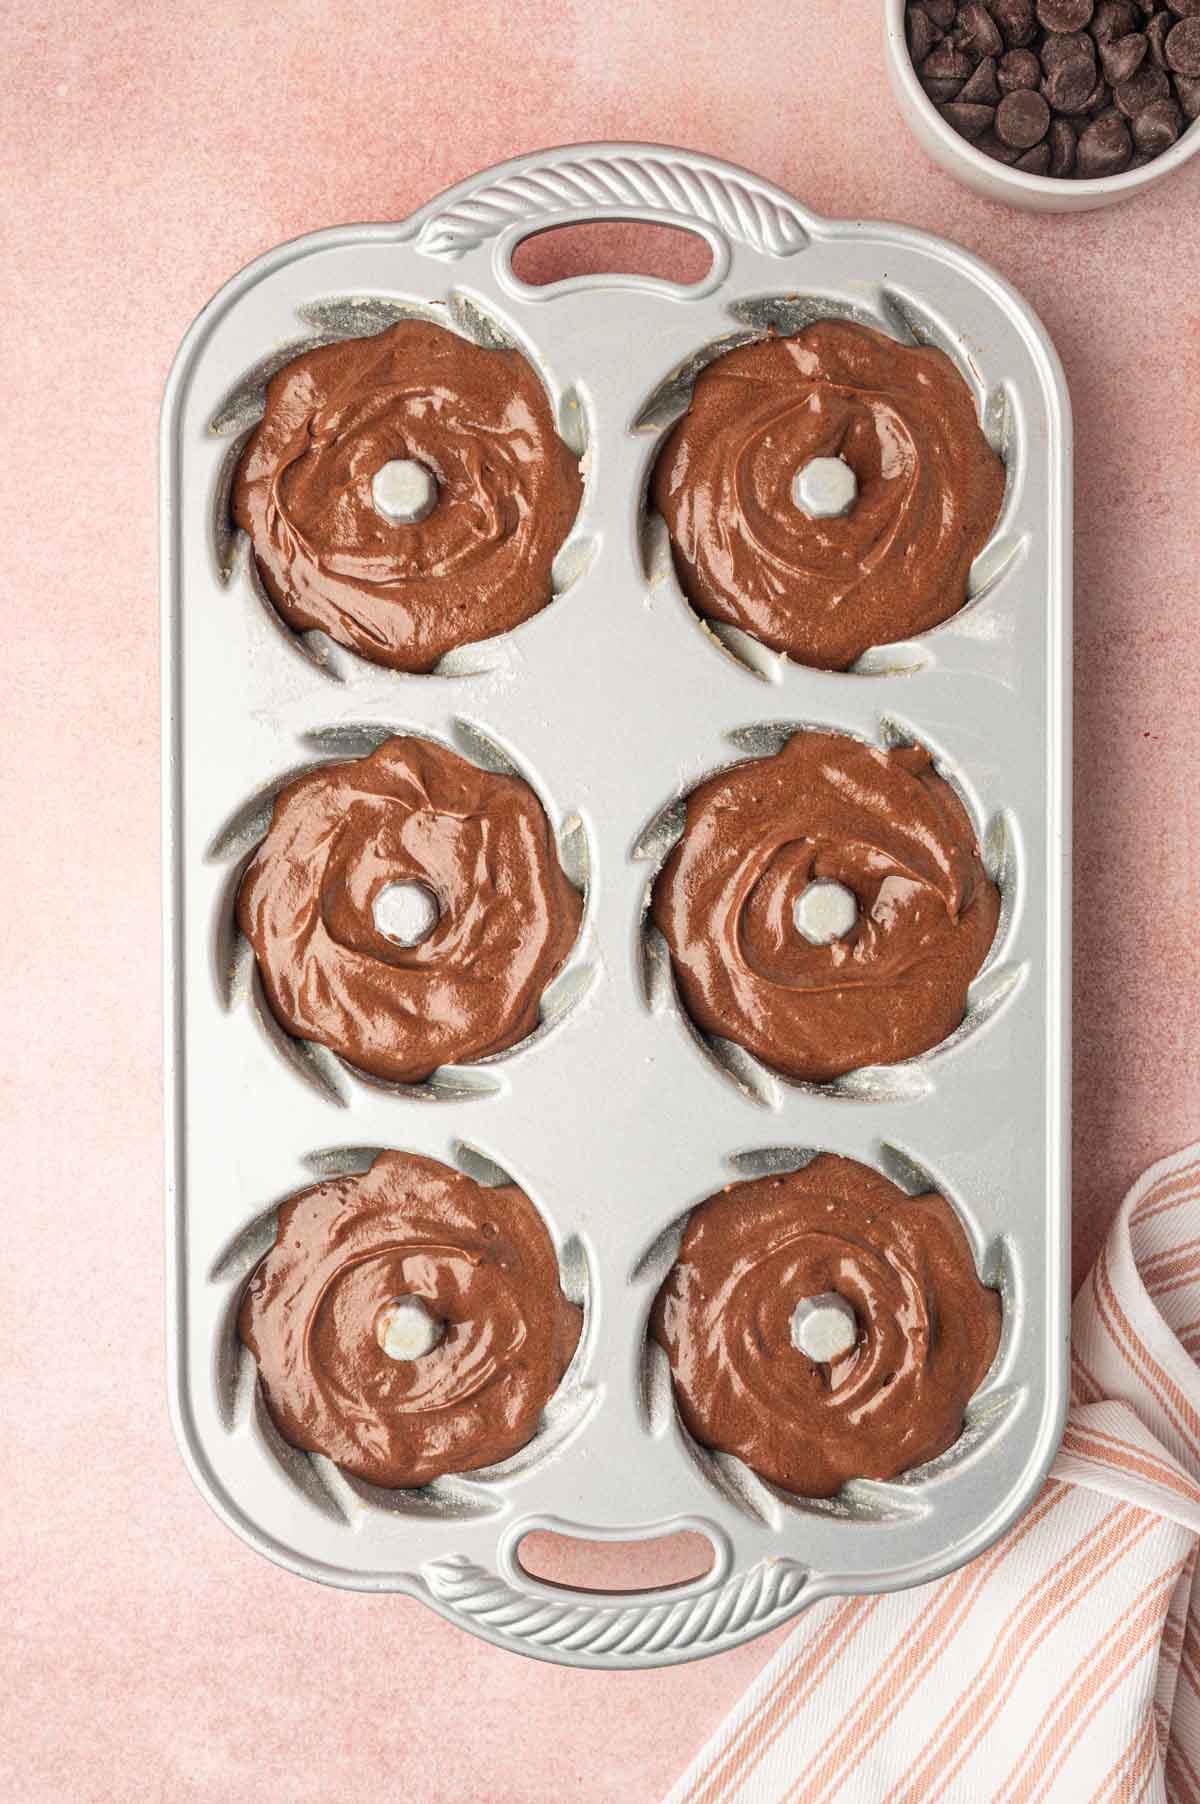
(612, 252)
(557, 1557)
(706, 249)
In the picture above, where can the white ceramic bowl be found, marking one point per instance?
(1042, 193)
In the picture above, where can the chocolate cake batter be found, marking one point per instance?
(479, 844)
(927, 1328)
(827, 808)
(508, 490)
(483, 1265)
(824, 590)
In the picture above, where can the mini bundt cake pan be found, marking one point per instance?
(614, 1113)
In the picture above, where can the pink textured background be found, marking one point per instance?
(149, 151)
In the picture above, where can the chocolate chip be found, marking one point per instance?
(946, 63)
(1156, 37)
(1187, 91)
(977, 33)
(923, 34)
(1112, 19)
(941, 91)
(1157, 126)
(1019, 69)
(1035, 161)
(1120, 59)
(1148, 84)
(1069, 86)
(1065, 15)
(970, 121)
(1017, 22)
(1104, 148)
(1061, 46)
(1022, 119)
(992, 147)
(983, 89)
(1062, 147)
(942, 12)
(1183, 47)
(1186, 9)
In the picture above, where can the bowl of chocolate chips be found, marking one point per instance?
(1058, 105)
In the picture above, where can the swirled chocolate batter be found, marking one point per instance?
(926, 1329)
(480, 852)
(505, 490)
(884, 828)
(761, 542)
(351, 1257)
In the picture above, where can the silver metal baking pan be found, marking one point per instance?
(615, 1118)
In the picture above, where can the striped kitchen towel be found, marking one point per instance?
(1064, 1664)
